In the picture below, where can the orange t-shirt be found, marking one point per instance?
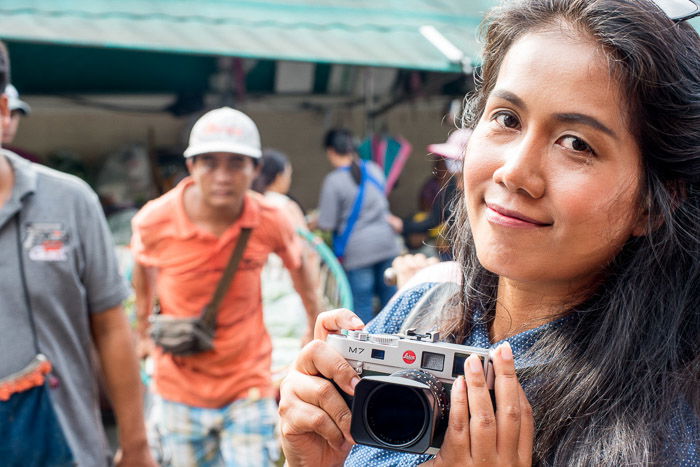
(190, 262)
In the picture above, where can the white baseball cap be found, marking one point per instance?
(224, 130)
(14, 102)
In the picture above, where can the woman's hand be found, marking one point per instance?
(395, 222)
(406, 266)
(477, 436)
(314, 418)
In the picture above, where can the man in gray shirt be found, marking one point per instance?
(61, 299)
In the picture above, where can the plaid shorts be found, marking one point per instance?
(239, 434)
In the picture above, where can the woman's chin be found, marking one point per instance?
(512, 266)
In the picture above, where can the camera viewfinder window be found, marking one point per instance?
(458, 365)
(433, 361)
(378, 354)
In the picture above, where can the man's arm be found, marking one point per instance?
(113, 340)
(305, 277)
(144, 284)
(305, 280)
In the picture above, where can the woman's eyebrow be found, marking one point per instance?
(562, 117)
(585, 120)
(510, 97)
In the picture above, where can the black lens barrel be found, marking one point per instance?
(396, 415)
(404, 410)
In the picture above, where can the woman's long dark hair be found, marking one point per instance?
(630, 354)
(342, 141)
(273, 164)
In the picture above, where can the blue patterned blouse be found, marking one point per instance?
(685, 426)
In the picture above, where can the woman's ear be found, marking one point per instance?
(643, 227)
(651, 219)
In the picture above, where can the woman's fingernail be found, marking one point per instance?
(506, 351)
(475, 364)
(354, 381)
(459, 384)
(357, 322)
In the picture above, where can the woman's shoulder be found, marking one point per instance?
(682, 446)
(375, 170)
(276, 199)
(338, 178)
(391, 318)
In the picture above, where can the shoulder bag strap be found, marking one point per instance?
(341, 241)
(23, 278)
(209, 314)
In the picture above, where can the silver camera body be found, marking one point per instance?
(402, 399)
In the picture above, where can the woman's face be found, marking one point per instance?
(285, 179)
(552, 173)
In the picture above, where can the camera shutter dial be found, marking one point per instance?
(384, 339)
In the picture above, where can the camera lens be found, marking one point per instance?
(396, 415)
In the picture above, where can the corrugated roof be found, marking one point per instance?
(361, 32)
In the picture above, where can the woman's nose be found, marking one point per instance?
(521, 169)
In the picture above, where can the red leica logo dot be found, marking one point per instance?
(409, 357)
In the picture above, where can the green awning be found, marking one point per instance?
(384, 33)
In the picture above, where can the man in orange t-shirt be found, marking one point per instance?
(216, 406)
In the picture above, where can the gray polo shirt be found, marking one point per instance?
(71, 272)
(372, 239)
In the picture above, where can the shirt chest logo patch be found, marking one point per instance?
(46, 241)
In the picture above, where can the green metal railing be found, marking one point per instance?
(334, 285)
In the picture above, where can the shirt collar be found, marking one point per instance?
(25, 182)
(520, 343)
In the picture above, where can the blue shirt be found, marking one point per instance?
(684, 425)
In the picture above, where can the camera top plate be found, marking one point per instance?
(387, 353)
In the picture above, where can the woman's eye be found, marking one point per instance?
(575, 144)
(506, 120)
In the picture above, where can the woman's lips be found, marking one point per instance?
(509, 218)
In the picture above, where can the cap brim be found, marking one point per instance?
(207, 148)
(19, 105)
(450, 151)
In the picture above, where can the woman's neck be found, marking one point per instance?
(338, 160)
(276, 186)
(522, 306)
